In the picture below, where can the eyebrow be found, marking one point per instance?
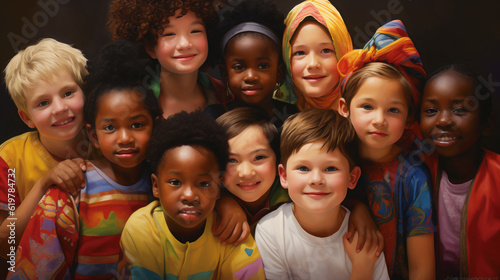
(254, 151)
(320, 44)
(131, 118)
(193, 23)
(454, 101)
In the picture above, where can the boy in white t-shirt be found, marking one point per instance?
(306, 239)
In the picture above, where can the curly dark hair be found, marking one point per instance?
(142, 20)
(264, 12)
(119, 65)
(191, 129)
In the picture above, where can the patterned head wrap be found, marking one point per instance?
(327, 15)
(390, 44)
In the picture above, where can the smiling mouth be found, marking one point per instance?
(251, 91)
(185, 57)
(248, 185)
(314, 78)
(69, 120)
(316, 194)
(445, 138)
(127, 153)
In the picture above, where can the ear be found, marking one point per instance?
(154, 182)
(343, 110)
(26, 119)
(282, 173)
(354, 176)
(151, 51)
(92, 135)
(488, 125)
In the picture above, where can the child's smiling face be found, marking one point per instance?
(187, 184)
(251, 169)
(313, 62)
(251, 62)
(182, 47)
(449, 114)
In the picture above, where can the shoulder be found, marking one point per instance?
(412, 169)
(143, 217)
(275, 216)
(15, 145)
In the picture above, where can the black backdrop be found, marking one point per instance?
(443, 31)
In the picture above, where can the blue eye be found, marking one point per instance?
(303, 168)
(394, 110)
(69, 93)
(327, 51)
(298, 53)
(367, 107)
(42, 104)
(331, 169)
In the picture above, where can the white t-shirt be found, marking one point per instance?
(289, 252)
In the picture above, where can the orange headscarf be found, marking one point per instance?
(327, 15)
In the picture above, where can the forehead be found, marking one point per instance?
(380, 89)
(51, 84)
(251, 45)
(310, 32)
(190, 159)
(250, 138)
(449, 85)
(120, 102)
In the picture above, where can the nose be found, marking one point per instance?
(250, 76)
(378, 118)
(444, 120)
(124, 136)
(58, 106)
(313, 61)
(189, 195)
(245, 169)
(316, 177)
(184, 42)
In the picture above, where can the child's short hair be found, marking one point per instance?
(314, 125)
(263, 12)
(482, 93)
(192, 129)
(380, 70)
(41, 62)
(239, 119)
(119, 65)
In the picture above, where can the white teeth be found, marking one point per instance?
(445, 138)
(190, 212)
(64, 122)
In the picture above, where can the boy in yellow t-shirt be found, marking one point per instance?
(172, 237)
(45, 81)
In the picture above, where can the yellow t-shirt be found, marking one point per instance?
(150, 251)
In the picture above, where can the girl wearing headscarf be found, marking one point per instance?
(315, 39)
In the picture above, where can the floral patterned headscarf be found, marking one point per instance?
(327, 15)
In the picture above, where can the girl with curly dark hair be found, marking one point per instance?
(175, 33)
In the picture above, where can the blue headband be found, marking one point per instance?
(249, 27)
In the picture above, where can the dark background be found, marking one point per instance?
(443, 31)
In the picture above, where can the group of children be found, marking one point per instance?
(309, 160)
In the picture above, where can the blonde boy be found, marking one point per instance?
(45, 81)
(306, 239)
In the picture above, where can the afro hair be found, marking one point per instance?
(119, 65)
(192, 129)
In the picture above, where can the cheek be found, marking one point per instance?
(201, 44)
(296, 68)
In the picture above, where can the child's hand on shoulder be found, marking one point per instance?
(362, 261)
(361, 222)
(67, 175)
(231, 225)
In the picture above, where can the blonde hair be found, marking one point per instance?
(314, 125)
(41, 62)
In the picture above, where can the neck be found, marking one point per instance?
(180, 92)
(383, 155)
(319, 224)
(255, 206)
(463, 167)
(121, 175)
(184, 235)
(77, 147)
